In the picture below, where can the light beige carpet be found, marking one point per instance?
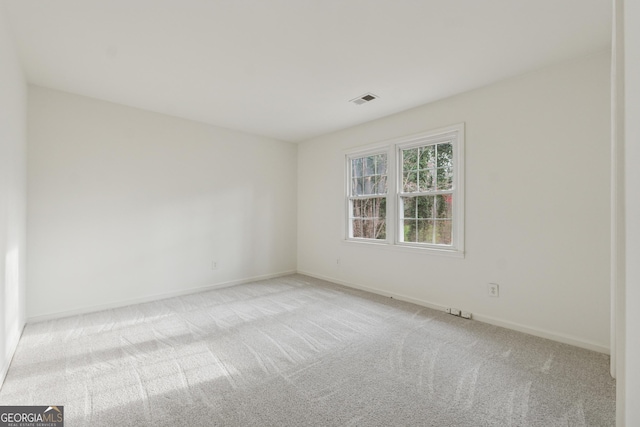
(297, 351)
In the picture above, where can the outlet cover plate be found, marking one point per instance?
(493, 290)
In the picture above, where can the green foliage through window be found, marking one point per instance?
(426, 194)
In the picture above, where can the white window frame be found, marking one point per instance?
(371, 151)
(454, 134)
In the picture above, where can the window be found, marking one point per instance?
(409, 192)
(367, 200)
(426, 194)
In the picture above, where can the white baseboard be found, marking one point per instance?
(155, 297)
(554, 336)
(12, 351)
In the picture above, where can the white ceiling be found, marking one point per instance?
(286, 68)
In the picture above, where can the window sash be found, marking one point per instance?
(370, 227)
(436, 242)
(435, 221)
(369, 183)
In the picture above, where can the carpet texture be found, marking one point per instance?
(297, 351)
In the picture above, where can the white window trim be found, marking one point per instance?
(392, 149)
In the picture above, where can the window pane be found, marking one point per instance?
(382, 185)
(366, 208)
(410, 159)
(445, 155)
(373, 207)
(368, 185)
(357, 188)
(443, 232)
(380, 229)
(425, 206)
(356, 209)
(427, 157)
(410, 182)
(410, 230)
(369, 216)
(369, 165)
(381, 164)
(425, 178)
(369, 175)
(409, 207)
(356, 167)
(374, 183)
(382, 207)
(356, 225)
(444, 206)
(445, 178)
(425, 231)
(368, 229)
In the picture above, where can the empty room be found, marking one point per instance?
(319, 213)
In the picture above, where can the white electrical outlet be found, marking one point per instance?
(493, 290)
(455, 312)
(465, 314)
(214, 265)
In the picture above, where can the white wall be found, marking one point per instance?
(632, 187)
(13, 98)
(126, 204)
(618, 234)
(537, 206)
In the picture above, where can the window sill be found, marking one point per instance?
(450, 253)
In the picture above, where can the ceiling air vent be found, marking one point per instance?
(363, 99)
